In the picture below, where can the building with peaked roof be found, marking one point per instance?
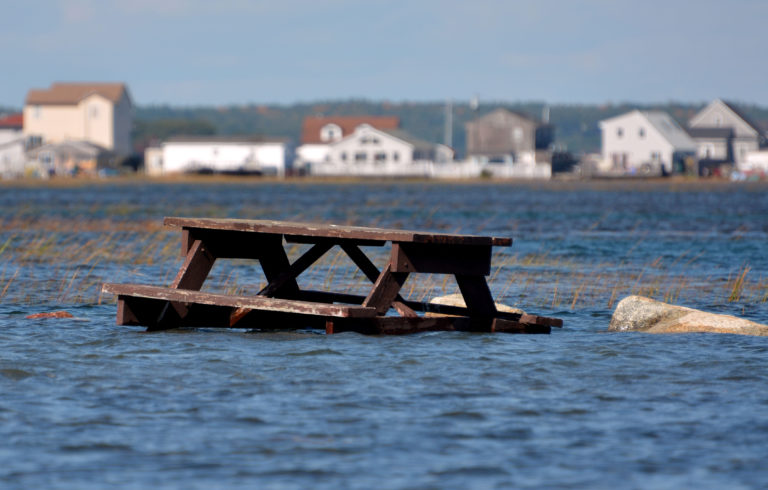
(318, 133)
(370, 151)
(645, 143)
(100, 113)
(504, 136)
(12, 146)
(71, 157)
(724, 133)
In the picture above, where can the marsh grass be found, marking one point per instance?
(67, 261)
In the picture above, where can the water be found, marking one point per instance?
(85, 403)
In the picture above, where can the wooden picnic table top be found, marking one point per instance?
(334, 231)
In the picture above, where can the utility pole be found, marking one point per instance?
(448, 135)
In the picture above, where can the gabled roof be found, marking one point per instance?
(78, 148)
(505, 111)
(310, 131)
(12, 121)
(418, 144)
(743, 116)
(72, 93)
(663, 123)
(669, 129)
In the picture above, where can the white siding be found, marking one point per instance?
(224, 156)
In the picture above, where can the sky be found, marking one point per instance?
(222, 52)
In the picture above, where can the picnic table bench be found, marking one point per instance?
(283, 304)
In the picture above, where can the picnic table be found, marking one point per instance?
(283, 304)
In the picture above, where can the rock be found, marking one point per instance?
(53, 314)
(636, 313)
(458, 300)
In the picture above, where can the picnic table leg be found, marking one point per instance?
(193, 272)
(274, 262)
(479, 301)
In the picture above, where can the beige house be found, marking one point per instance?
(99, 113)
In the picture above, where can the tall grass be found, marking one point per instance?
(66, 261)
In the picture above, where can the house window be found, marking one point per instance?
(343, 156)
(330, 132)
(361, 156)
(380, 157)
(94, 111)
(396, 156)
(368, 139)
(619, 132)
(36, 111)
(718, 120)
(517, 135)
(641, 133)
(655, 156)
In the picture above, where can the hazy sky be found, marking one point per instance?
(202, 52)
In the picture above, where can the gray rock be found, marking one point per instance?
(636, 313)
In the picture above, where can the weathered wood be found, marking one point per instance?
(385, 290)
(251, 302)
(441, 258)
(370, 271)
(332, 231)
(418, 306)
(195, 268)
(274, 263)
(294, 270)
(477, 295)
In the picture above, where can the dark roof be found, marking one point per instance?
(710, 132)
(218, 139)
(310, 131)
(746, 118)
(12, 121)
(72, 93)
(417, 143)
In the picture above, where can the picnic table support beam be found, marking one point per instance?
(274, 262)
(372, 273)
(300, 265)
(479, 301)
(385, 290)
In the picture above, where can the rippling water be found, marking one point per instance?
(84, 403)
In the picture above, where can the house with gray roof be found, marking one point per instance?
(646, 143)
(725, 134)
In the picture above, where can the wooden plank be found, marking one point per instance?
(251, 302)
(294, 270)
(508, 326)
(298, 229)
(372, 273)
(441, 258)
(392, 325)
(195, 268)
(418, 306)
(385, 290)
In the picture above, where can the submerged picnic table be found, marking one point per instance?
(283, 304)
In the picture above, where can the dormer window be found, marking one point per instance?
(619, 132)
(330, 132)
(641, 133)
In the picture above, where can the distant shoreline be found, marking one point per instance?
(677, 183)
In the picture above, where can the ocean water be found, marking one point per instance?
(88, 404)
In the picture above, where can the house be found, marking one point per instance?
(318, 133)
(723, 133)
(369, 151)
(99, 113)
(645, 143)
(504, 136)
(70, 158)
(219, 154)
(12, 146)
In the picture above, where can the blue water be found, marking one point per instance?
(87, 404)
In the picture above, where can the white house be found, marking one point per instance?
(219, 154)
(645, 143)
(318, 133)
(374, 152)
(100, 113)
(12, 146)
